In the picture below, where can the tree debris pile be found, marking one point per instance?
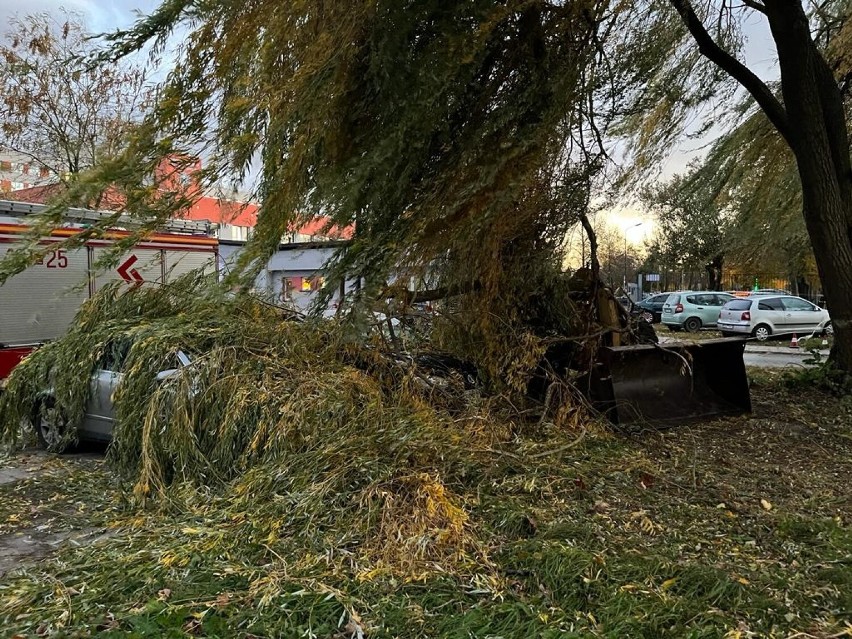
(342, 444)
(660, 536)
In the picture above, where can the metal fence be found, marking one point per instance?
(805, 285)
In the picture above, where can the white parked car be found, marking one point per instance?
(764, 315)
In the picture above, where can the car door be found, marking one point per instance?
(770, 311)
(800, 315)
(704, 308)
(98, 420)
(100, 413)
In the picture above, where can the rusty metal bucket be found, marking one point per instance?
(670, 383)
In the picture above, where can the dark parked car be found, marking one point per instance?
(652, 307)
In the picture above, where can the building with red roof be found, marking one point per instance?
(233, 219)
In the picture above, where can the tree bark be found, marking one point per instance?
(714, 273)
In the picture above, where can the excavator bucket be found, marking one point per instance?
(669, 383)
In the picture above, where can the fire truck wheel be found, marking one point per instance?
(50, 426)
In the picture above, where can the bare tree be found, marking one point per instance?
(60, 111)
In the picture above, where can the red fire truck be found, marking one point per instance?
(39, 304)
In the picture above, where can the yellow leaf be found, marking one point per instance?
(766, 505)
(668, 583)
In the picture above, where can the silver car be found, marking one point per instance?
(762, 316)
(99, 419)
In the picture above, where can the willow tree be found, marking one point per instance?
(807, 111)
(458, 138)
(464, 138)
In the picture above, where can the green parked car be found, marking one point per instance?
(693, 310)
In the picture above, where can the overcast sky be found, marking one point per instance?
(100, 15)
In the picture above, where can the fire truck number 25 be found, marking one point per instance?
(55, 259)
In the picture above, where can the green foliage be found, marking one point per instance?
(748, 188)
(275, 408)
(692, 231)
(458, 139)
(748, 182)
(660, 82)
(438, 168)
(821, 374)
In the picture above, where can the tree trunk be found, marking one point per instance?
(812, 120)
(819, 141)
(714, 273)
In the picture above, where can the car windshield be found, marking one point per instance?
(738, 305)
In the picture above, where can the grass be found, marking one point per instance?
(733, 528)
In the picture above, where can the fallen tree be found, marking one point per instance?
(297, 480)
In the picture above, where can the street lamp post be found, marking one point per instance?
(624, 284)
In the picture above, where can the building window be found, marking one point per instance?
(5, 165)
(43, 171)
(17, 186)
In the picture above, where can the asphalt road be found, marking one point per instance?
(775, 357)
(761, 355)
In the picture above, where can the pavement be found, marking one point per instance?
(779, 357)
(757, 347)
(33, 524)
(762, 355)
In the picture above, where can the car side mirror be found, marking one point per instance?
(164, 375)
